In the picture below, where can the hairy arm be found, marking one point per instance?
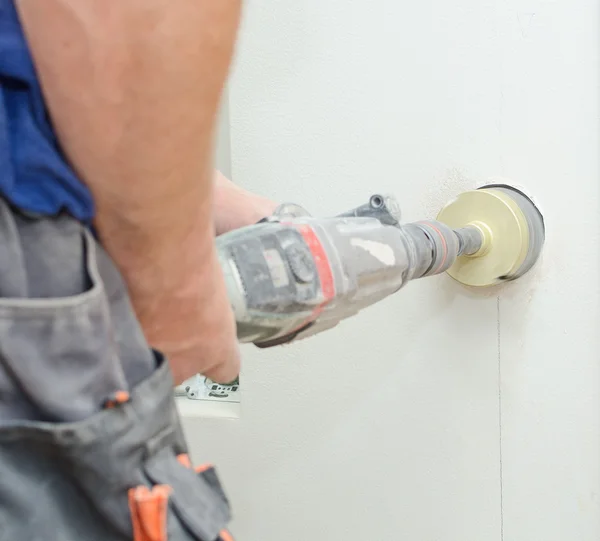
(133, 89)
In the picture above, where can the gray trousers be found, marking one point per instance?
(91, 445)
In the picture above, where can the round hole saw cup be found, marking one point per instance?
(512, 230)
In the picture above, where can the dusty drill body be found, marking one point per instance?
(294, 275)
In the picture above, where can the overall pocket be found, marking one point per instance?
(120, 474)
(58, 356)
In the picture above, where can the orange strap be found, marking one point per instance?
(148, 508)
(120, 397)
(184, 460)
(203, 467)
(225, 536)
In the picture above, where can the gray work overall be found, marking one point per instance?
(91, 447)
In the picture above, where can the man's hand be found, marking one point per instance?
(235, 207)
(133, 88)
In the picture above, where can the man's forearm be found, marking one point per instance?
(133, 89)
(235, 207)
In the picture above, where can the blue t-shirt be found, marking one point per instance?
(34, 173)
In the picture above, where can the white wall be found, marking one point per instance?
(439, 415)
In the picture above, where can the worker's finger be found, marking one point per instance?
(226, 372)
(209, 344)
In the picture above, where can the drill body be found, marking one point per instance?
(293, 275)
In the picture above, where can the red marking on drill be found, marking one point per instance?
(320, 256)
(323, 270)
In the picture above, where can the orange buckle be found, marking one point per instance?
(120, 397)
(148, 509)
(184, 460)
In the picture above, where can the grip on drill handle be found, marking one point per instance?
(290, 337)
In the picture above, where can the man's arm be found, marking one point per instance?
(133, 89)
(235, 207)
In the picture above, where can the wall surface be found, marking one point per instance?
(223, 138)
(440, 414)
